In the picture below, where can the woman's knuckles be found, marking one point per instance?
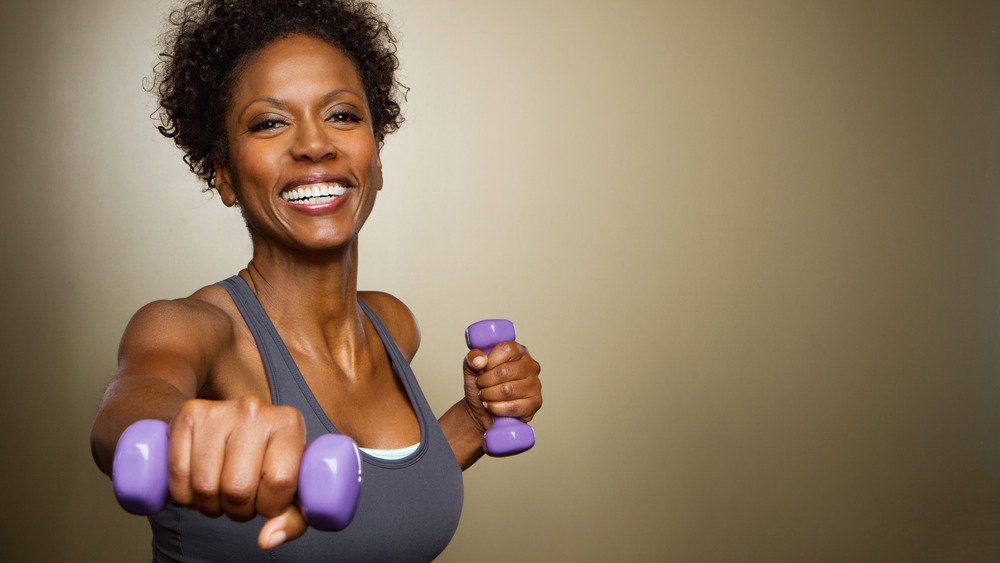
(523, 368)
(507, 351)
(177, 473)
(200, 483)
(503, 372)
(204, 488)
(245, 416)
(280, 482)
(248, 406)
(505, 408)
(240, 498)
(290, 419)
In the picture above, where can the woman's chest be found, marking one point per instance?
(368, 403)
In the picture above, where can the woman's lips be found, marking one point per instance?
(308, 193)
(319, 206)
(317, 198)
(315, 179)
(316, 194)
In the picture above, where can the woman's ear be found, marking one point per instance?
(378, 170)
(224, 184)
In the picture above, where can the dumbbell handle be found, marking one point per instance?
(507, 436)
(329, 475)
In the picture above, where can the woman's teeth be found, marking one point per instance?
(316, 194)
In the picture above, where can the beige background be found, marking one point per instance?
(754, 245)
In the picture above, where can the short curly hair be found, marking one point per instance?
(210, 41)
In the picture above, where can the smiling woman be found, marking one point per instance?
(282, 107)
(299, 107)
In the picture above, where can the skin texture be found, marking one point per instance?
(298, 110)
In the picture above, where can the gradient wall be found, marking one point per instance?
(754, 245)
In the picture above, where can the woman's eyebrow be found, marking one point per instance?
(281, 103)
(268, 99)
(334, 93)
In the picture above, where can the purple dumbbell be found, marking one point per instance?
(507, 436)
(329, 475)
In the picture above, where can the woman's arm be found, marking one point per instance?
(162, 362)
(506, 381)
(464, 434)
(238, 457)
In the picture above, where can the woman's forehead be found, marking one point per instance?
(297, 66)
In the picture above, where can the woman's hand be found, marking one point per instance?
(504, 383)
(239, 458)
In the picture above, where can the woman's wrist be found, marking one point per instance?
(464, 432)
(479, 418)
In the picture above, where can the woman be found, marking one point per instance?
(282, 107)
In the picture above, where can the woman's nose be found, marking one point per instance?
(313, 141)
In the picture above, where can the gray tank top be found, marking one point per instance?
(409, 508)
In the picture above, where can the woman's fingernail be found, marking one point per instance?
(276, 539)
(479, 362)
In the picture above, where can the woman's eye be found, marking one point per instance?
(344, 117)
(265, 124)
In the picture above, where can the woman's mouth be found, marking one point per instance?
(313, 194)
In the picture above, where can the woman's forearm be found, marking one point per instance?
(464, 433)
(126, 400)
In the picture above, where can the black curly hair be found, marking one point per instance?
(210, 41)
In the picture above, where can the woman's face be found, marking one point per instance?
(303, 161)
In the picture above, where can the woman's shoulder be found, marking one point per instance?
(201, 320)
(397, 318)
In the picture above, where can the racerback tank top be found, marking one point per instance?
(409, 508)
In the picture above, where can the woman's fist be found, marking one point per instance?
(239, 458)
(503, 383)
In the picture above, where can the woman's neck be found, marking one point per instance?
(313, 298)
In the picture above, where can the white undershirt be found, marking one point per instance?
(394, 454)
